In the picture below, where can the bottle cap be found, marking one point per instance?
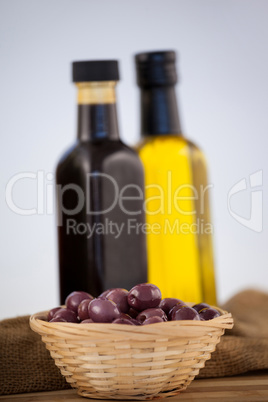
(156, 68)
(95, 70)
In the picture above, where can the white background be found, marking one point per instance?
(223, 97)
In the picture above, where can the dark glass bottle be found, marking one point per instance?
(100, 193)
(180, 254)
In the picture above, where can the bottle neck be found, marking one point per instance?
(159, 111)
(97, 116)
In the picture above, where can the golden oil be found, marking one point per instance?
(179, 236)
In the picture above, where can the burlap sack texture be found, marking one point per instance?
(26, 366)
(25, 363)
(245, 347)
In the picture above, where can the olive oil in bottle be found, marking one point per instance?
(97, 182)
(179, 239)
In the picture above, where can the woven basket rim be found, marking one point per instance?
(38, 324)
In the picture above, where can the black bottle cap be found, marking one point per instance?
(156, 68)
(95, 70)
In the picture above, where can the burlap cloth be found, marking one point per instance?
(26, 366)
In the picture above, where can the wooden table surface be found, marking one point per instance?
(250, 387)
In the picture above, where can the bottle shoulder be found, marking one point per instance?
(165, 139)
(81, 147)
(198, 155)
(89, 156)
(167, 143)
(67, 154)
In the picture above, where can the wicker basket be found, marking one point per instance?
(112, 361)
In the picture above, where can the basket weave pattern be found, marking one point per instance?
(112, 361)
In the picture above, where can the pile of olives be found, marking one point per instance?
(142, 305)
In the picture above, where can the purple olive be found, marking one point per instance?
(119, 296)
(184, 313)
(87, 321)
(178, 306)
(152, 312)
(135, 322)
(152, 320)
(123, 321)
(105, 293)
(57, 319)
(144, 296)
(208, 313)
(168, 303)
(74, 299)
(52, 312)
(83, 309)
(133, 313)
(198, 307)
(128, 317)
(103, 310)
(66, 314)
